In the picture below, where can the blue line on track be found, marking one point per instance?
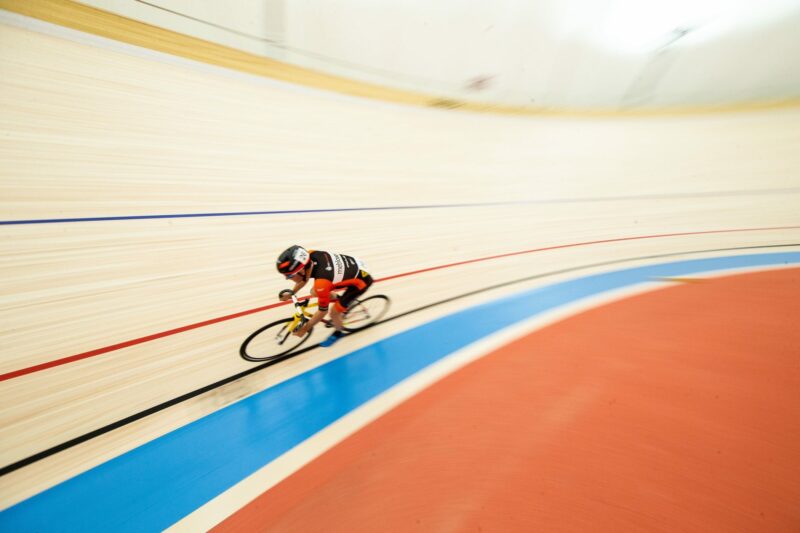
(238, 213)
(158, 483)
(758, 192)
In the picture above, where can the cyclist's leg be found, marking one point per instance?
(339, 308)
(352, 293)
(336, 319)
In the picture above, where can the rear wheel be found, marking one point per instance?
(364, 313)
(271, 341)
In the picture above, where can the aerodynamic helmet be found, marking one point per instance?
(292, 260)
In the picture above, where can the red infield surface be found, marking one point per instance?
(674, 410)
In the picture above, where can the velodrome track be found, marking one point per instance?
(144, 200)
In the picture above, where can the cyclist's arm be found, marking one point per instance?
(297, 287)
(313, 321)
(322, 290)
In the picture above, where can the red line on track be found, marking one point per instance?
(155, 336)
(587, 243)
(133, 342)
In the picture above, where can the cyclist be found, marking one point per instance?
(330, 271)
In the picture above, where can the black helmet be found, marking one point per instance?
(292, 260)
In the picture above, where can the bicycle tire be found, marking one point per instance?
(273, 347)
(365, 313)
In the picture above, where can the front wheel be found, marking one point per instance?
(364, 313)
(271, 341)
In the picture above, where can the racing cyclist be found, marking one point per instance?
(330, 271)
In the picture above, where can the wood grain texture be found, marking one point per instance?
(92, 132)
(95, 21)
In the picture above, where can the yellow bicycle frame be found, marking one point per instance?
(300, 312)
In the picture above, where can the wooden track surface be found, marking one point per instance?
(89, 131)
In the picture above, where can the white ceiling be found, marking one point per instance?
(558, 53)
(584, 54)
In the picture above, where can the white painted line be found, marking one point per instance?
(270, 475)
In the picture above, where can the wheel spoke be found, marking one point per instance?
(366, 312)
(280, 337)
(272, 340)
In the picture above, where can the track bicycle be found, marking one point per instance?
(276, 340)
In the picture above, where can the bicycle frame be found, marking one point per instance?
(301, 314)
(361, 314)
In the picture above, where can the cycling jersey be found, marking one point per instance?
(333, 271)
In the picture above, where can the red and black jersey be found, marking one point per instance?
(333, 271)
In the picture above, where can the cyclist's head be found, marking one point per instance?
(292, 260)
